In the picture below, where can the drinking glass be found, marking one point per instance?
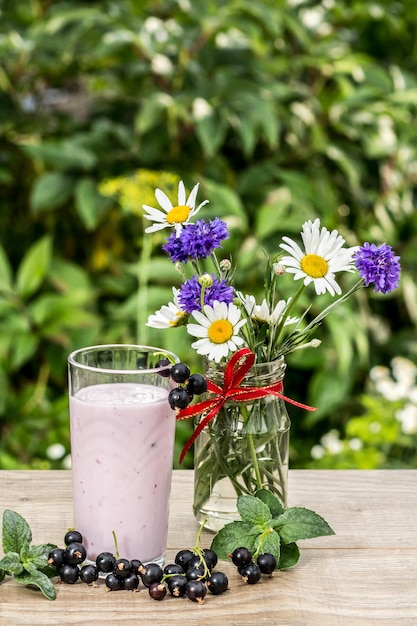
(122, 442)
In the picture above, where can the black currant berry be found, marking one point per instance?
(210, 558)
(157, 591)
(75, 553)
(179, 398)
(196, 590)
(180, 372)
(89, 573)
(131, 582)
(217, 583)
(122, 568)
(113, 582)
(197, 384)
(183, 557)
(56, 557)
(173, 568)
(196, 573)
(105, 562)
(251, 573)
(195, 562)
(166, 372)
(177, 585)
(136, 565)
(267, 563)
(150, 573)
(73, 536)
(241, 556)
(69, 573)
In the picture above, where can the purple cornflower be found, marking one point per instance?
(190, 293)
(196, 241)
(378, 265)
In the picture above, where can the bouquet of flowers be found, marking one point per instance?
(243, 340)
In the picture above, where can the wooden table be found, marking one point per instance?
(366, 574)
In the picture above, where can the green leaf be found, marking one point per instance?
(40, 580)
(289, 555)
(38, 555)
(5, 272)
(232, 536)
(299, 523)
(253, 511)
(50, 191)
(89, 204)
(34, 267)
(2, 575)
(271, 543)
(16, 532)
(11, 563)
(271, 501)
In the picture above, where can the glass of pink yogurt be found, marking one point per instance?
(122, 442)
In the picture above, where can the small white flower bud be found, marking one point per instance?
(278, 269)
(205, 280)
(225, 265)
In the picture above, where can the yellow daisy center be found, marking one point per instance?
(178, 214)
(314, 265)
(220, 331)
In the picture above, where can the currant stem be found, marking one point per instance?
(116, 546)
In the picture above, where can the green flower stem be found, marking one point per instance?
(142, 295)
(245, 415)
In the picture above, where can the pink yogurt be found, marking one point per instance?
(122, 440)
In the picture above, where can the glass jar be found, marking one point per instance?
(243, 448)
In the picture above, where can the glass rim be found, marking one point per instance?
(72, 358)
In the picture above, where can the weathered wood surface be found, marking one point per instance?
(364, 575)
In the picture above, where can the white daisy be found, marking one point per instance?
(261, 312)
(218, 328)
(169, 315)
(171, 215)
(323, 256)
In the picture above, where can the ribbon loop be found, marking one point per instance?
(235, 371)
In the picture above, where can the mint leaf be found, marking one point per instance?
(270, 542)
(271, 501)
(39, 580)
(16, 532)
(38, 555)
(253, 511)
(289, 555)
(232, 536)
(11, 563)
(299, 523)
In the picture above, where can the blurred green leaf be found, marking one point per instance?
(34, 267)
(50, 191)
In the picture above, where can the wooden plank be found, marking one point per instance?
(344, 588)
(365, 575)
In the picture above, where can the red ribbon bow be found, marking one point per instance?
(235, 371)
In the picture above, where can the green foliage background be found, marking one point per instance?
(284, 111)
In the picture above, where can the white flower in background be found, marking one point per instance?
(169, 315)
(401, 385)
(55, 451)
(173, 216)
(218, 328)
(323, 255)
(408, 418)
(331, 442)
(162, 65)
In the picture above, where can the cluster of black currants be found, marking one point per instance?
(69, 560)
(190, 576)
(251, 571)
(189, 385)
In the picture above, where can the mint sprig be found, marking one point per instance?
(27, 564)
(266, 527)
